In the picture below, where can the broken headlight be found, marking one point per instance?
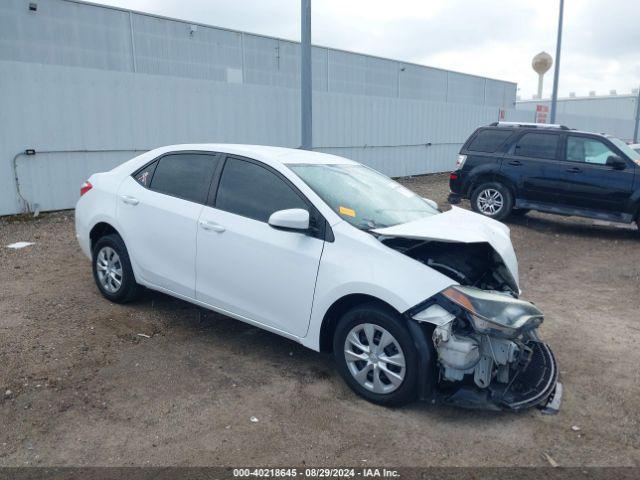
(494, 313)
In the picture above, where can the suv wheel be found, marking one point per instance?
(376, 355)
(112, 270)
(492, 199)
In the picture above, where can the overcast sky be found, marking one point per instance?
(495, 38)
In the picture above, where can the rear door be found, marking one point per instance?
(158, 211)
(532, 163)
(248, 268)
(589, 183)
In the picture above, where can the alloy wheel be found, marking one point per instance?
(109, 269)
(490, 201)
(374, 358)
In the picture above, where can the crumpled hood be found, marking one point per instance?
(459, 225)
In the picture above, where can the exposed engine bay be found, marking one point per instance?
(488, 354)
(482, 341)
(473, 264)
(478, 367)
(463, 352)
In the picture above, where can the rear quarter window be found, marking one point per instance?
(488, 141)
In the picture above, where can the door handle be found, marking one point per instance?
(574, 170)
(129, 200)
(515, 163)
(211, 226)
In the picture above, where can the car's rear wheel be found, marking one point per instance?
(492, 199)
(112, 270)
(376, 355)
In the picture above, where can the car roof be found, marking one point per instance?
(264, 153)
(541, 127)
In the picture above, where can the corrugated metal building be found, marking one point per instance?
(87, 86)
(613, 114)
(609, 106)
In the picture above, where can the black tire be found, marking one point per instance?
(487, 189)
(519, 212)
(392, 322)
(128, 290)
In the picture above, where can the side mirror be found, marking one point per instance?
(292, 219)
(616, 163)
(431, 203)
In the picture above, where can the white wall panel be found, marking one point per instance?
(68, 110)
(92, 85)
(69, 32)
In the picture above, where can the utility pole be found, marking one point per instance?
(306, 131)
(556, 71)
(635, 130)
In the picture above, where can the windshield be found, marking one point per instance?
(626, 149)
(363, 197)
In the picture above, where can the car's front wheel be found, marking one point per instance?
(492, 199)
(112, 270)
(376, 355)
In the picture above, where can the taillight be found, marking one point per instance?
(460, 161)
(453, 176)
(86, 186)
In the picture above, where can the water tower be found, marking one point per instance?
(541, 63)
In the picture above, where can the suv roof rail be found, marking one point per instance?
(529, 125)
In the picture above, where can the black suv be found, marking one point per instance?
(511, 168)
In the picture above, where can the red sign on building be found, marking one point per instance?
(541, 113)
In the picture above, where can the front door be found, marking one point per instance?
(248, 268)
(590, 183)
(158, 210)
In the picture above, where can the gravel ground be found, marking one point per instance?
(79, 385)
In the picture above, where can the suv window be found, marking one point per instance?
(589, 150)
(489, 140)
(253, 191)
(537, 145)
(185, 175)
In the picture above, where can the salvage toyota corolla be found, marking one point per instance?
(413, 302)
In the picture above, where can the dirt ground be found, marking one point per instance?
(80, 386)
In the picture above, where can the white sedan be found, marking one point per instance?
(411, 301)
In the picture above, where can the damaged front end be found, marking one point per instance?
(475, 264)
(488, 354)
(478, 342)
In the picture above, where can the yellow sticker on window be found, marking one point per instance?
(347, 211)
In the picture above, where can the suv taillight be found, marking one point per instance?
(86, 186)
(460, 161)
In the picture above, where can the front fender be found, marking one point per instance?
(357, 263)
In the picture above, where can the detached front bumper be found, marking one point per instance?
(535, 385)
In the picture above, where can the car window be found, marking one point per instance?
(589, 150)
(144, 175)
(489, 141)
(253, 191)
(185, 175)
(537, 145)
